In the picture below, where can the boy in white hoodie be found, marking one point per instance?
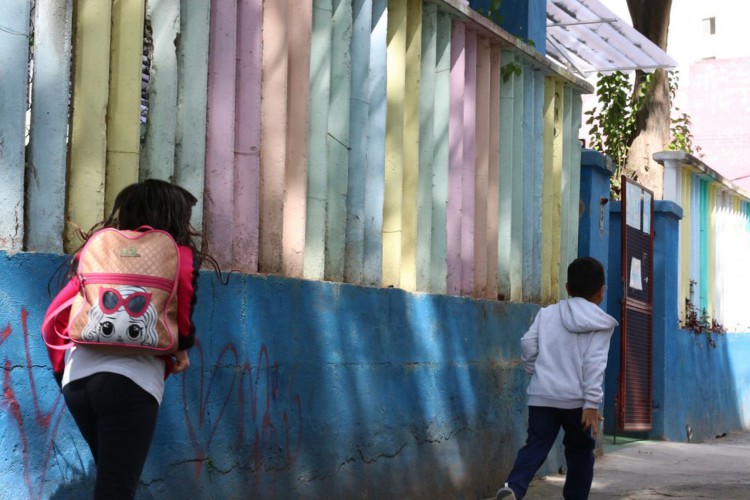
(565, 352)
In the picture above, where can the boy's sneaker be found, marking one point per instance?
(506, 493)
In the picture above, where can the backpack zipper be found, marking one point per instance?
(127, 279)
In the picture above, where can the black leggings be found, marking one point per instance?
(116, 418)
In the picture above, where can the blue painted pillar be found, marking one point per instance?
(593, 225)
(667, 216)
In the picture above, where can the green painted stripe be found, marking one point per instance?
(438, 264)
(426, 146)
(317, 151)
(338, 139)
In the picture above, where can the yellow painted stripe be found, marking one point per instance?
(394, 142)
(124, 109)
(408, 272)
(548, 140)
(557, 168)
(88, 131)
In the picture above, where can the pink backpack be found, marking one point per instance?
(127, 303)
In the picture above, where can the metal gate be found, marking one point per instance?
(634, 392)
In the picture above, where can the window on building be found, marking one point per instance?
(709, 26)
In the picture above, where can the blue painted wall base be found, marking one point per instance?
(296, 389)
(698, 391)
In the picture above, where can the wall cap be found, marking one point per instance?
(595, 159)
(688, 160)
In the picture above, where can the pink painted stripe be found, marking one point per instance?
(469, 166)
(455, 158)
(493, 191)
(219, 195)
(300, 41)
(247, 137)
(273, 135)
(482, 128)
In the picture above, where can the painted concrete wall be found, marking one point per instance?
(361, 141)
(296, 389)
(698, 391)
(714, 239)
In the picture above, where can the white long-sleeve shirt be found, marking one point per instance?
(565, 350)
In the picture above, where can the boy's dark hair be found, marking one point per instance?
(585, 277)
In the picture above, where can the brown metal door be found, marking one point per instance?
(634, 391)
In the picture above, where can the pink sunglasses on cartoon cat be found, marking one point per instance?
(136, 304)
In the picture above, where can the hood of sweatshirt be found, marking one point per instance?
(579, 315)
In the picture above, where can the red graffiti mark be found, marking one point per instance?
(5, 333)
(10, 401)
(265, 434)
(203, 397)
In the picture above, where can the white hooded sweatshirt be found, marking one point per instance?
(565, 350)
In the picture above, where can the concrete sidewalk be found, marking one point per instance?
(647, 470)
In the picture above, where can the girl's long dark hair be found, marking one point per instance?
(160, 205)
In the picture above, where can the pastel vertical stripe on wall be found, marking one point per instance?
(505, 209)
(685, 237)
(493, 177)
(704, 228)
(394, 142)
(317, 157)
(711, 250)
(426, 147)
(695, 237)
(438, 265)
(246, 192)
(49, 127)
(338, 139)
(358, 134)
(88, 127)
(295, 194)
(273, 117)
(531, 181)
(468, 169)
(566, 210)
(519, 228)
(190, 141)
(408, 274)
(124, 105)
(220, 133)
(158, 155)
(575, 179)
(481, 166)
(456, 157)
(14, 59)
(548, 208)
(538, 173)
(375, 172)
(558, 228)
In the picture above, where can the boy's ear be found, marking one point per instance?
(567, 289)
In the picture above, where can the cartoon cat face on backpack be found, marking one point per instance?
(122, 315)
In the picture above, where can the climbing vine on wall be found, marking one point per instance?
(699, 322)
(613, 121)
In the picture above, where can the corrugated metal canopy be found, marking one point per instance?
(587, 37)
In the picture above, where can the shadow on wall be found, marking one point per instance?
(296, 389)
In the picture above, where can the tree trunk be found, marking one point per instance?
(652, 133)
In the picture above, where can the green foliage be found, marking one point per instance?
(510, 69)
(492, 11)
(613, 121)
(699, 322)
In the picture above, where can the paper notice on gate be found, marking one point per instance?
(636, 278)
